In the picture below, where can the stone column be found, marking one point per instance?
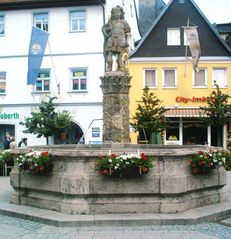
(115, 87)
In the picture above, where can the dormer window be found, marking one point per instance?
(173, 36)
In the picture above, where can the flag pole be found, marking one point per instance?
(186, 52)
(53, 66)
(52, 61)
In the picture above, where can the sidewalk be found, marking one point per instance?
(193, 216)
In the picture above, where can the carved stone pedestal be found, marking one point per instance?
(115, 87)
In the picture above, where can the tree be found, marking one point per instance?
(149, 116)
(47, 122)
(218, 112)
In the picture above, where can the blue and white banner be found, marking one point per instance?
(38, 42)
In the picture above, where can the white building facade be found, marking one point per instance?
(71, 66)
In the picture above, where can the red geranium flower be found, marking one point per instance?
(143, 156)
(145, 170)
(113, 155)
(45, 153)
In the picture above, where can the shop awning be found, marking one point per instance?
(184, 112)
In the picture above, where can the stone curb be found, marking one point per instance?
(194, 216)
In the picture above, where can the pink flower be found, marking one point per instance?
(105, 171)
(42, 168)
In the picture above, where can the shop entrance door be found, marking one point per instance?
(194, 133)
(5, 130)
(70, 136)
(217, 136)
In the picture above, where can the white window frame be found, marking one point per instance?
(174, 140)
(2, 25)
(3, 80)
(78, 78)
(144, 78)
(173, 37)
(43, 80)
(43, 24)
(163, 77)
(78, 19)
(206, 79)
(225, 83)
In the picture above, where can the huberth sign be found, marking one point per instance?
(9, 115)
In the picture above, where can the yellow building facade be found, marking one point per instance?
(165, 61)
(183, 99)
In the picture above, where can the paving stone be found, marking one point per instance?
(18, 228)
(13, 228)
(227, 221)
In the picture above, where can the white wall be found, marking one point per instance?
(67, 50)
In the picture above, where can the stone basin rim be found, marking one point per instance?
(73, 150)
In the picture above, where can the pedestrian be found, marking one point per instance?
(6, 142)
(23, 143)
(12, 143)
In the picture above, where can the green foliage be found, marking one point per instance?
(7, 157)
(218, 109)
(149, 114)
(203, 162)
(226, 159)
(47, 122)
(112, 164)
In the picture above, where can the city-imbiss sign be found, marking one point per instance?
(194, 99)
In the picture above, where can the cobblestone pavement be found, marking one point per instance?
(14, 228)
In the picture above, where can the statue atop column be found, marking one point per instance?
(116, 41)
(115, 83)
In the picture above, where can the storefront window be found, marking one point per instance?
(172, 131)
(194, 132)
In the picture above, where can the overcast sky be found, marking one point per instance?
(217, 11)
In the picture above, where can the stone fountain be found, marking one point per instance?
(74, 187)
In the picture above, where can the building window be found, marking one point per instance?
(43, 81)
(40, 20)
(220, 77)
(173, 36)
(2, 82)
(200, 78)
(78, 20)
(169, 78)
(150, 78)
(2, 25)
(173, 130)
(79, 79)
